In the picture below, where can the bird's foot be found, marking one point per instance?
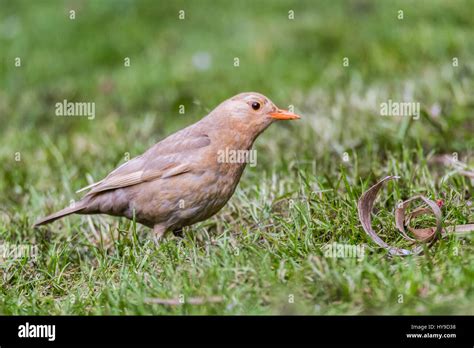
(158, 234)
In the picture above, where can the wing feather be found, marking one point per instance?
(164, 160)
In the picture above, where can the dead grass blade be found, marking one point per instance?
(451, 161)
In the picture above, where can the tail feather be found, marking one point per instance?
(64, 212)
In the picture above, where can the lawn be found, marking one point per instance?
(264, 252)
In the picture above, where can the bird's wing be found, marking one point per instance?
(165, 159)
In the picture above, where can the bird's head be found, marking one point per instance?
(251, 112)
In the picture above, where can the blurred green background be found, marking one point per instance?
(190, 62)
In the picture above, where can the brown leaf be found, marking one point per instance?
(402, 218)
(365, 205)
(421, 234)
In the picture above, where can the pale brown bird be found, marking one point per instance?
(184, 178)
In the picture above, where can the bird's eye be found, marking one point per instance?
(255, 105)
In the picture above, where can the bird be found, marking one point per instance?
(184, 178)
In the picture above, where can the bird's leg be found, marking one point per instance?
(158, 233)
(178, 232)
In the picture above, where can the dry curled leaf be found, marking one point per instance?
(402, 218)
(421, 234)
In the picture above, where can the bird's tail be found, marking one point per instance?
(64, 212)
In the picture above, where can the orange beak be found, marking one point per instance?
(284, 115)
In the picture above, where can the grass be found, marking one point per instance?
(263, 253)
